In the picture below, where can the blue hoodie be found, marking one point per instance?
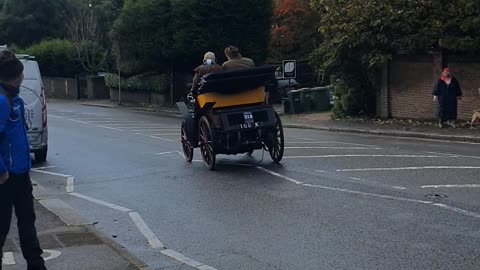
(14, 145)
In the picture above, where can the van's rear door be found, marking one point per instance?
(31, 93)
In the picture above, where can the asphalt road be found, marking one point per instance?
(338, 201)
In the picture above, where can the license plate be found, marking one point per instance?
(248, 116)
(250, 125)
(35, 138)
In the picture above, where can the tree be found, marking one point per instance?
(142, 36)
(88, 38)
(294, 32)
(359, 34)
(24, 22)
(211, 25)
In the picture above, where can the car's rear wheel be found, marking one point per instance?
(41, 155)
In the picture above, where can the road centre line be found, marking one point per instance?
(146, 231)
(104, 203)
(185, 260)
(345, 156)
(377, 183)
(165, 153)
(453, 186)
(70, 184)
(166, 134)
(457, 210)
(160, 138)
(81, 122)
(279, 175)
(367, 194)
(51, 173)
(55, 116)
(410, 168)
(44, 168)
(137, 124)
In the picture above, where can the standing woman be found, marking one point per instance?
(446, 94)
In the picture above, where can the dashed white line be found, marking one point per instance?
(452, 186)
(448, 154)
(81, 122)
(100, 202)
(54, 116)
(346, 156)
(146, 231)
(8, 259)
(185, 260)
(410, 168)
(167, 134)
(377, 183)
(333, 142)
(279, 175)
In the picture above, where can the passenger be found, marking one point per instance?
(235, 60)
(209, 66)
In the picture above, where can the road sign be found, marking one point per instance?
(290, 69)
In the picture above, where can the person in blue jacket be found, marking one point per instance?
(15, 164)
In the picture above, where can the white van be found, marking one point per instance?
(33, 94)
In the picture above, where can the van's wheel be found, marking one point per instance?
(276, 142)
(186, 146)
(205, 138)
(41, 155)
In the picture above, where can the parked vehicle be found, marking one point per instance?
(33, 94)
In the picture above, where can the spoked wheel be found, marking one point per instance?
(206, 143)
(186, 145)
(276, 142)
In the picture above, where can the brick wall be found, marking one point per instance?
(406, 90)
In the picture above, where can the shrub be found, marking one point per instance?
(148, 82)
(57, 58)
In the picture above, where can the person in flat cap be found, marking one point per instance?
(209, 66)
(446, 94)
(15, 164)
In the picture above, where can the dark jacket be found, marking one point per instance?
(203, 70)
(14, 145)
(238, 63)
(447, 96)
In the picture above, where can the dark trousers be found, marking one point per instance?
(17, 194)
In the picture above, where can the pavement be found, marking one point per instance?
(337, 201)
(73, 246)
(324, 121)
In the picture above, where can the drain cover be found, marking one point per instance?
(436, 196)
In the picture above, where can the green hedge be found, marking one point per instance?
(148, 82)
(57, 58)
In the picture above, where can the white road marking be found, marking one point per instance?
(140, 125)
(44, 168)
(185, 260)
(160, 138)
(51, 173)
(70, 184)
(8, 259)
(367, 194)
(78, 121)
(321, 171)
(452, 186)
(346, 156)
(377, 183)
(165, 153)
(325, 142)
(53, 254)
(146, 231)
(100, 202)
(458, 210)
(166, 134)
(117, 129)
(332, 147)
(279, 175)
(107, 122)
(181, 154)
(54, 116)
(448, 154)
(410, 168)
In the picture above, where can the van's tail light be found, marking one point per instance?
(44, 109)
